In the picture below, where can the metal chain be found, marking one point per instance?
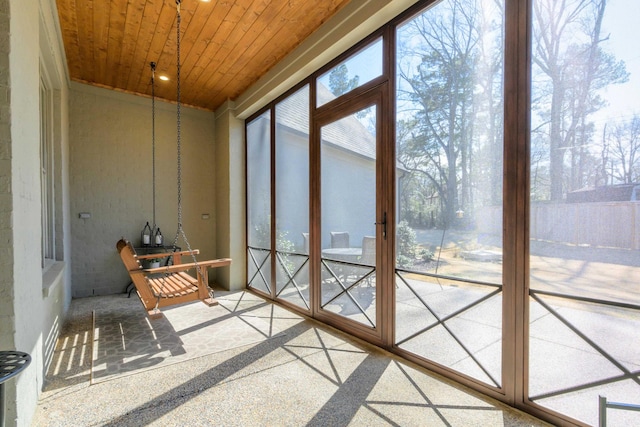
(153, 165)
(180, 230)
(153, 139)
(178, 140)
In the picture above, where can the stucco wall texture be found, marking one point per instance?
(6, 204)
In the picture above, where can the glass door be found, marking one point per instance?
(352, 222)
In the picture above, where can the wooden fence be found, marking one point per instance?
(601, 224)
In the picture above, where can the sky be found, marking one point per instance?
(621, 24)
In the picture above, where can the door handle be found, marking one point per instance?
(384, 224)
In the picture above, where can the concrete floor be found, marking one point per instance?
(307, 374)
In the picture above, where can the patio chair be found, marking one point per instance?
(170, 284)
(368, 257)
(368, 251)
(339, 239)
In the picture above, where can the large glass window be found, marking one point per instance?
(449, 186)
(259, 202)
(556, 326)
(585, 215)
(357, 70)
(292, 198)
(47, 194)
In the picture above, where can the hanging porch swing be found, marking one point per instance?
(171, 284)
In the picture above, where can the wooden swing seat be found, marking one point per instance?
(168, 285)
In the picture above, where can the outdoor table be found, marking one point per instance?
(342, 254)
(11, 364)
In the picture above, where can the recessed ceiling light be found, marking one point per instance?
(163, 78)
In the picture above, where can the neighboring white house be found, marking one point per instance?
(348, 182)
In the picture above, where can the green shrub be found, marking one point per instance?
(406, 245)
(425, 254)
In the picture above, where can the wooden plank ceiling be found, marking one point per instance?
(225, 45)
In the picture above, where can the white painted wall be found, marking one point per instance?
(112, 180)
(33, 300)
(7, 318)
(348, 199)
(230, 197)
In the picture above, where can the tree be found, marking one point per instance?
(441, 86)
(570, 68)
(339, 82)
(449, 101)
(623, 145)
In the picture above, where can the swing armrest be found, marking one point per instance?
(222, 262)
(168, 254)
(193, 252)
